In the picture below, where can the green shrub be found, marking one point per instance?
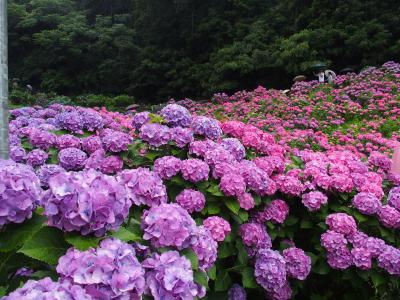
(21, 97)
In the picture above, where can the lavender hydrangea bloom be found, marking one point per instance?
(46, 171)
(176, 115)
(205, 248)
(314, 200)
(333, 241)
(389, 260)
(167, 167)
(19, 192)
(277, 211)
(340, 260)
(95, 160)
(258, 181)
(236, 292)
(72, 159)
(42, 139)
(168, 225)
(373, 245)
(282, 293)
(47, 289)
(191, 200)
(143, 186)
(70, 121)
(91, 143)
(389, 216)
(218, 155)
(366, 203)
(207, 127)
(218, 227)
(110, 271)
(155, 134)
(199, 148)
(181, 136)
(17, 153)
(235, 147)
(270, 270)
(111, 164)
(116, 141)
(140, 119)
(170, 276)
(341, 223)
(361, 258)
(298, 264)
(67, 141)
(255, 236)
(394, 198)
(91, 119)
(36, 157)
(232, 185)
(194, 170)
(86, 201)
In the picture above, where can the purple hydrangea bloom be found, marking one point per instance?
(298, 264)
(191, 200)
(389, 260)
(232, 185)
(394, 197)
(366, 203)
(270, 164)
(86, 201)
(176, 115)
(42, 139)
(282, 293)
(168, 225)
(255, 236)
(200, 148)
(47, 289)
(314, 200)
(379, 160)
(194, 170)
(170, 276)
(19, 192)
(36, 157)
(246, 201)
(116, 141)
(235, 147)
(91, 144)
(205, 248)
(289, 185)
(17, 153)
(270, 270)
(236, 292)
(217, 156)
(207, 127)
(70, 121)
(95, 160)
(111, 164)
(155, 134)
(182, 136)
(140, 119)
(277, 211)
(143, 186)
(110, 271)
(389, 216)
(91, 119)
(218, 227)
(72, 159)
(341, 223)
(167, 167)
(340, 259)
(258, 181)
(373, 245)
(67, 141)
(361, 258)
(46, 171)
(333, 241)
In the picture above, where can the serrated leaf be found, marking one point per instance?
(190, 255)
(47, 245)
(201, 278)
(232, 205)
(225, 250)
(215, 191)
(213, 208)
(243, 215)
(223, 281)
(248, 279)
(212, 272)
(377, 279)
(81, 242)
(125, 235)
(15, 235)
(242, 253)
(291, 220)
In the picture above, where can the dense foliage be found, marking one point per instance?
(154, 49)
(297, 201)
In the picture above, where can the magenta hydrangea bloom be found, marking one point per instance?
(389, 216)
(181, 136)
(379, 160)
(67, 141)
(277, 211)
(140, 119)
(116, 141)
(394, 198)
(217, 156)
(366, 203)
(207, 127)
(361, 258)
(70, 121)
(257, 180)
(205, 247)
(341, 223)
(389, 260)
(86, 201)
(270, 270)
(155, 134)
(270, 164)
(176, 115)
(167, 167)
(246, 201)
(333, 241)
(289, 185)
(17, 153)
(373, 245)
(314, 200)
(72, 159)
(144, 187)
(36, 157)
(191, 200)
(235, 147)
(170, 276)
(298, 264)
(110, 271)
(218, 227)
(194, 170)
(168, 225)
(340, 260)
(91, 144)
(42, 139)
(111, 164)
(46, 171)
(47, 289)
(200, 148)
(232, 185)
(19, 192)
(236, 292)
(254, 235)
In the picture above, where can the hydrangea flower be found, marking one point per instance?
(236, 292)
(246, 201)
(140, 119)
(19, 192)
(207, 127)
(205, 247)
(235, 147)
(86, 201)
(341, 223)
(176, 115)
(366, 203)
(191, 200)
(314, 200)
(46, 171)
(282, 293)
(167, 166)
(181, 136)
(194, 170)
(361, 258)
(298, 264)
(200, 148)
(232, 185)
(170, 276)
(270, 270)
(72, 159)
(36, 157)
(254, 235)
(218, 227)
(340, 260)
(389, 260)
(107, 272)
(155, 134)
(276, 211)
(116, 141)
(17, 154)
(168, 225)
(91, 119)
(67, 141)
(91, 144)
(70, 121)
(111, 164)
(389, 216)
(42, 139)
(333, 241)
(394, 198)
(143, 186)
(258, 181)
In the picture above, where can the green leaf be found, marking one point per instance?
(377, 278)
(223, 281)
(201, 278)
(248, 279)
(225, 250)
(213, 208)
(306, 224)
(47, 245)
(125, 235)
(242, 253)
(81, 242)
(192, 256)
(321, 268)
(243, 215)
(215, 191)
(212, 272)
(15, 235)
(3, 290)
(233, 205)
(291, 220)
(359, 217)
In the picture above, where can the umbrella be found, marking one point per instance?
(318, 66)
(347, 70)
(299, 78)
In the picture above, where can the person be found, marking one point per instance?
(330, 76)
(321, 76)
